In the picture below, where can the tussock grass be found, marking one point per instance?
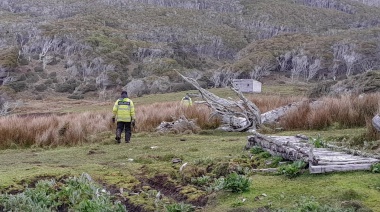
(52, 130)
(150, 116)
(74, 129)
(267, 103)
(342, 112)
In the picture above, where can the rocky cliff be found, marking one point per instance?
(91, 46)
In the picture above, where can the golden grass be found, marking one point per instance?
(267, 103)
(345, 112)
(150, 116)
(51, 130)
(77, 128)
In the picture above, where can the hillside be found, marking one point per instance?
(91, 48)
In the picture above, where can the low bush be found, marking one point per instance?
(317, 142)
(40, 87)
(74, 194)
(201, 181)
(292, 170)
(256, 150)
(375, 168)
(32, 77)
(67, 87)
(237, 183)
(53, 75)
(309, 204)
(18, 86)
(76, 96)
(38, 69)
(179, 207)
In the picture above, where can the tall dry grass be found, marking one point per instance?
(51, 130)
(150, 116)
(74, 129)
(267, 103)
(345, 112)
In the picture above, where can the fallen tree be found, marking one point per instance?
(236, 116)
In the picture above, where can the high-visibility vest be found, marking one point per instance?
(186, 101)
(124, 110)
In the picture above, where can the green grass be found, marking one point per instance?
(152, 153)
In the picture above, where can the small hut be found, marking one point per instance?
(247, 85)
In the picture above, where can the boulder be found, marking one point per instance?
(376, 122)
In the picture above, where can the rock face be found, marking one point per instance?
(376, 122)
(368, 82)
(113, 42)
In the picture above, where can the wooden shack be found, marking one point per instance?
(247, 85)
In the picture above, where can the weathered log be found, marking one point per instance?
(334, 168)
(268, 170)
(237, 116)
(282, 147)
(320, 159)
(352, 151)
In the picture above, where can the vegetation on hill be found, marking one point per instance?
(135, 44)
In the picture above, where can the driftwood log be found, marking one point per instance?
(288, 147)
(320, 160)
(236, 116)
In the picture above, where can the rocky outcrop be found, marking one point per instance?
(331, 4)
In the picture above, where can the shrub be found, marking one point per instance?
(179, 207)
(43, 75)
(237, 183)
(38, 69)
(217, 185)
(75, 194)
(201, 181)
(375, 168)
(317, 142)
(264, 155)
(89, 87)
(32, 77)
(40, 88)
(76, 96)
(18, 86)
(256, 150)
(310, 204)
(67, 87)
(53, 75)
(292, 170)
(48, 82)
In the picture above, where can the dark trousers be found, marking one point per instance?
(123, 126)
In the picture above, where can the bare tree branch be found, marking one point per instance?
(237, 116)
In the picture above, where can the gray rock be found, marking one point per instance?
(376, 122)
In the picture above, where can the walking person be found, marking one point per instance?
(186, 101)
(124, 115)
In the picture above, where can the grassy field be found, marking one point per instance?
(149, 155)
(137, 172)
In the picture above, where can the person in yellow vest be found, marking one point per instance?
(124, 115)
(186, 101)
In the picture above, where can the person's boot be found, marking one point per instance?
(118, 136)
(126, 141)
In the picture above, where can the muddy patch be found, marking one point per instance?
(162, 183)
